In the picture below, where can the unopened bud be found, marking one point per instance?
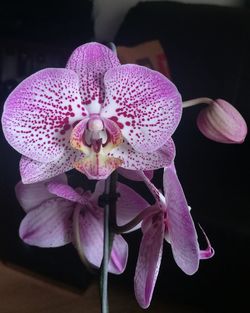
(221, 122)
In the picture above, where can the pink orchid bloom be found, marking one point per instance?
(221, 122)
(94, 115)
(173, 222)
(57, 215)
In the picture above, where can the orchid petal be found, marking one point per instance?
(77, 136)
(129, 205)
(32, 195)
(39, 114)
(135, 160)
(33, 171)
(181, 229)
(221, 122)
(65, 191)
(144, 103)
(48, 225)
(134, 175)
(91, 61)
(149, 259)
(91, 238)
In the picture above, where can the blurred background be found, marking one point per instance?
(204, 47)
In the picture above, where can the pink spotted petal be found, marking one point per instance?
(31, 195)
(91, 61)
(91, 238)
(135, 160)
(221, 122)
(134, 175)
(48, 225)
(114, 133)
(129, 205)
(181, 230)
(39, 114)
(66, 192)
(33, 171)
(144, 103)
(77, 136)
(149, 259)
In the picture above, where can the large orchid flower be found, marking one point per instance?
(173, 222)
(57, 215)
(95, 115)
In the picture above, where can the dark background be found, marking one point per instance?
(207, 48)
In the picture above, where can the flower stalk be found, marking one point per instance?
(109, 203)
(192, 102)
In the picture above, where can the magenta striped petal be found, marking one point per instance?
(149, 259)
(31, 195)
(48, 225)
(65, 191)
(91, 239)
(40, 112)
(181, 229)
(129, 205)
(91, 61)
(144, 103)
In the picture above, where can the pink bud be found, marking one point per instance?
(221, 122)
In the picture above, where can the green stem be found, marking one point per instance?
(108, 235)
(105, 260)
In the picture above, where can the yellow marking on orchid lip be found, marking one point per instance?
(79, 145)
(97, 165)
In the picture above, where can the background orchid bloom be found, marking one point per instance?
(95, 115)
(57, 215)
(173, 222)
(221, 122)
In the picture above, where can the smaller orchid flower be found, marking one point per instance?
(57, 215)
(220, 121)
(172, 221)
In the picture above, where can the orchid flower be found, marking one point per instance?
(57, 215)
(95, 116)
(219, 121)
(172, 221)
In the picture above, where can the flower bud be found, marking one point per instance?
(221, 122)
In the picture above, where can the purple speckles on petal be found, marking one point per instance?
(33, 171)
(146, 105)
(135, 160)
(91, 61)
(38, 114)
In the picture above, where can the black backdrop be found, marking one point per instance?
(208, 52)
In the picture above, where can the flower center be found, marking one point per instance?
(95, 134)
